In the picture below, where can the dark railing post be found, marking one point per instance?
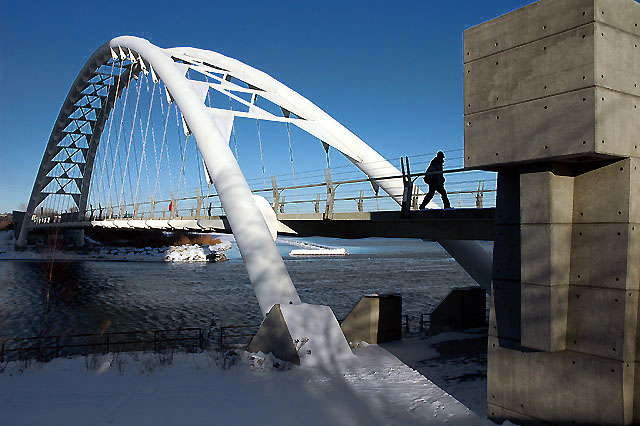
(57, 346)
(201, 339)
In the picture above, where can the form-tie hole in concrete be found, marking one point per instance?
(584, 77)
(497, 117)
(544, 27)
(617, 279)
(584, 99)
(584, 142)
(583, 36)
(496, 44)
(496, 62)
(545, 107)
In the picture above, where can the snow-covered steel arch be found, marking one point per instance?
(211, 128)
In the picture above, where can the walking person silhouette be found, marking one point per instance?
(435, 179)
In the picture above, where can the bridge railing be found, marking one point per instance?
(322, 198)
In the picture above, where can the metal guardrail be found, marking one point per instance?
(48, 347)
(236, 336)
(204, 209)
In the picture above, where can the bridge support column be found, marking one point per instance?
(551, 104)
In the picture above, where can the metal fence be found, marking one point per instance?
(49, 347)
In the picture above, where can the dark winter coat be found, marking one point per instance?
(435, 167)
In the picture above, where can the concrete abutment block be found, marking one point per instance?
(375, 319)
(552, 103)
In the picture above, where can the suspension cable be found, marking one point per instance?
(126, 164)
(124, 106)
(144, 142)
(261, 157)
(111, 117)
(293, 170)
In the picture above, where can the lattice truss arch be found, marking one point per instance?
(67, 163)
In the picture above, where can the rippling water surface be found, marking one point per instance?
(86, 295)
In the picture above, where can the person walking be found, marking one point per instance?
(435, 179)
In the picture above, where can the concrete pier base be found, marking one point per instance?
(461, 309)
(303, 334)
(552, 101)
(375, 319)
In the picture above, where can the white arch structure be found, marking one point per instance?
(211, 128)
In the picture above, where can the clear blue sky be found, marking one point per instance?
(391, 72)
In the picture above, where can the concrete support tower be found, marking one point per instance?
(552, 103)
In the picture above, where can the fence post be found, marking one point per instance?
(57, 346)
(276, 194)
(328, 212)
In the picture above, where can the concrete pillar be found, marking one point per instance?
(551, 103)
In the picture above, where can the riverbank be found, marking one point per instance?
(374, 388)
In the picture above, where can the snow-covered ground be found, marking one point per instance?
(373, 388)
(95, 251)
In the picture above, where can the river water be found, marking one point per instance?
(86, 296)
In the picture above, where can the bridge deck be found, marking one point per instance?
(457, 224)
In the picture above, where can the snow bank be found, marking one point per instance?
(373, 388)
(96, 251)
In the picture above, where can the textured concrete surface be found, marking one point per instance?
(374, 319)
(551, 103)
